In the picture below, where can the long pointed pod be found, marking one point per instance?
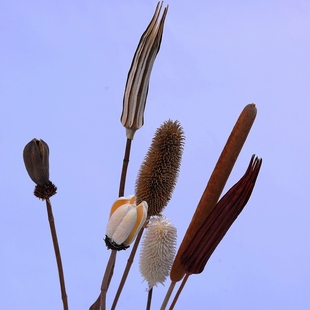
(139, 74)
(216, 183)
(216, 225)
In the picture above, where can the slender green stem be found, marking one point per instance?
(168, 294)
(179, 292)
(127, 268)
(57, 254)
(149, 299)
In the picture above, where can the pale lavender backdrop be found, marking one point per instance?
(63, 68)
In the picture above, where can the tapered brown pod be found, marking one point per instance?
(216, 182)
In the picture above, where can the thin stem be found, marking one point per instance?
(107, 279)
(179, 292)
(168, 294)
(127, 268)
(149, 299)
(124, 169)
(57, 254)
(101, 300)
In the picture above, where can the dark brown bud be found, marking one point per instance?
(36, 154)
(36, 159)
(214, 228)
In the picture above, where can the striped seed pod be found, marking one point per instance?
(138, 78)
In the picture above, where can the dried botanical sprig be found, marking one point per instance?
(216, 225)
(159, 171)
(139, 73)
(36, 159)
(158, 250)
(216, 183)
(126, 220)
(219, 221)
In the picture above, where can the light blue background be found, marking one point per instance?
(63, 69)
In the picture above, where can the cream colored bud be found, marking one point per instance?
(126, 220)
(158, 250)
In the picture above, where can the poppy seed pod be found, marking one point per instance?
(126, 220)
(36, 154)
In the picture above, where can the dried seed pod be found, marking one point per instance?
(138, 78)
(223, 215)
(159, 171)
(216, 182)
(35, 155)
(36, 159)
(126, 220)
(158, 250)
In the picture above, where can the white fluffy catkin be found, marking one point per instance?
(158, 250)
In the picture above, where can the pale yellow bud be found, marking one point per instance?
(126, 220)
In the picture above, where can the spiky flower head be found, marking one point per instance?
(160, 169)
(158, 250)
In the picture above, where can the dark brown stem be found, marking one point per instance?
(149, 299)
(107, 279)
(175, 299)
(124, 169)
(57, 254)
(127, 268)
(101, 299)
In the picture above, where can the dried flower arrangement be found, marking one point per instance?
(132, 217)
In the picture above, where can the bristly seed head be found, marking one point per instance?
(159, 171)
(158, 250)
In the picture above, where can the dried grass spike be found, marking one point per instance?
(160, 169)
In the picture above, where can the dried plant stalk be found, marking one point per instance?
(216, 182)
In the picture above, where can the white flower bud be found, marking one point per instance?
(126, 220)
